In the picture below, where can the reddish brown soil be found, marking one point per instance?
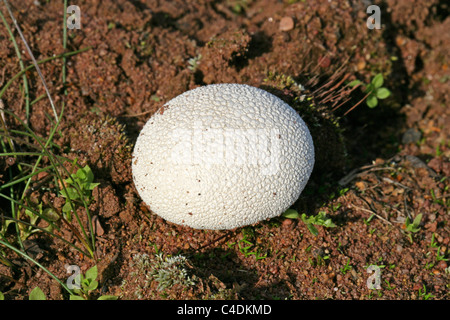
(139, 59)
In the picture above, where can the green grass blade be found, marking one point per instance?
(19, 180)
(22, 67)
(57, 164)
(27, 257)
(30, 67)
(45, 230)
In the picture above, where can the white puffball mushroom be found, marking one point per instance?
(222, 156)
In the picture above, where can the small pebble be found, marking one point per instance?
(324, 62)
(287, 222)
(411, 135)
(442, 265)
(361, 65)
(418, 286)
(286, 24)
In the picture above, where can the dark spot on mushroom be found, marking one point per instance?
(274, 193)
(135, 161)
(279, 136)
(199, 194)
(190, 213)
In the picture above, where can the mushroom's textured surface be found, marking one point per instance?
(222, 156)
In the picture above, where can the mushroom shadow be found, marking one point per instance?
(225, 274)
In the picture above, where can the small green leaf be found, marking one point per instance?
(92, 273)
(369, 88)
(378, 81)
(29, 213)
(108, 298)
(70, 193)
(354, 83)
(312, 229)
(71, 180)
(91, 186)
(2, 297)
(291, 214)
(372, 101)
(37, 294)
(74, 297)
(89, 173)
(92, 285)
(67, 207)
(51, 214)
(81, 175)
(417, 220)
(329, 224)
(383, 93)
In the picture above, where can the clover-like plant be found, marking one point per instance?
(373, 90)
(86, 284)
(78, 189)
(320, 219)
(412, 226)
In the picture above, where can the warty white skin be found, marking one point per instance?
(222, 156)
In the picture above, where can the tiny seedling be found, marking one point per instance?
(48, 214)
(414, 226)
(367, 221)
(433, 243)
(27, 230)
(86, 284)
(78, 189)
(435, 199)
(244, 247)
(347, 267)
(194, 62)
(374, 90)
(37, 294)
(389, 286)
(429, 265)
(423, 293)
(320, 219)
(291, 214)
(440, 256)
